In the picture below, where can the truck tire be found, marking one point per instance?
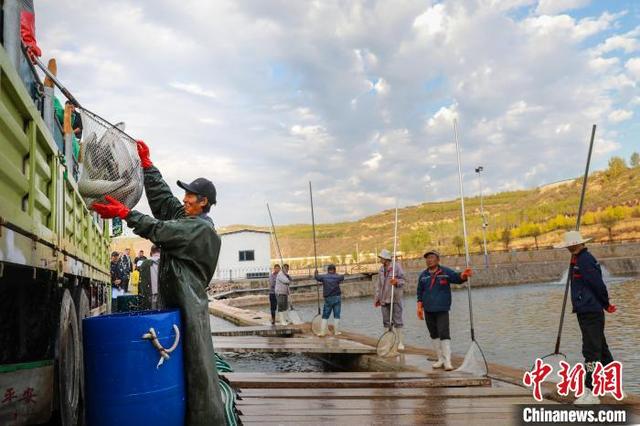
(68, 361)
(83, 311)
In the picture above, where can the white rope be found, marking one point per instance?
(164, 353)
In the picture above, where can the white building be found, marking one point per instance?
(245, 253)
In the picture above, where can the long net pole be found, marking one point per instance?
(464, 227)
(275, 236)
(315, 248)
(578, 220)
(393, 265)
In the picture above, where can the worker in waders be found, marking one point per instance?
(387, 279)
(590, 299)
(283, 281)
(273, 300)
(332, 299)
(189, 254)
(434, 303)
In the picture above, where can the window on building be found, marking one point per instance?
(246, 255)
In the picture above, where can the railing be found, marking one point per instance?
(294, 287)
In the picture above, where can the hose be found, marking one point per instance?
(228, 393)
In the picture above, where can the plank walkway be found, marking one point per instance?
(264, 331)
(294, 345)
(355, 380)
(373, 398)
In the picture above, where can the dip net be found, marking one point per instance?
(110, 164)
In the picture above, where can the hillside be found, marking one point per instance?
(516, 219)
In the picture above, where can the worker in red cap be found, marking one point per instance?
(434, 303)
(189, 255)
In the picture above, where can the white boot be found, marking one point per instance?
(286, 318)
(323, 328)
(438, 348)
(587, 398)
(336, 327)
(400, 340)
(446, 354)
(281, 318)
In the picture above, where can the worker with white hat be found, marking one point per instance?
(590, 299)
(387, 279)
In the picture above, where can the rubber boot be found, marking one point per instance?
(282, 318)
(438, 348)
(323, 328)
(287, 321)
(587, 398)
(273, 319)
(336, 327)
(400, 340)
(446, 354)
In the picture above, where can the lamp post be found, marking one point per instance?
(479, 169)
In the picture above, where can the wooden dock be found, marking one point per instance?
(292, 345)
(265, 331)
(373, 398)
(372, 390)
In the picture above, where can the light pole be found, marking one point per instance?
(479, 169)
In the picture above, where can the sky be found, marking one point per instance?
(358, 97)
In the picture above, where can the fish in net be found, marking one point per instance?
(110, 164)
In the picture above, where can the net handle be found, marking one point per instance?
(75, 102)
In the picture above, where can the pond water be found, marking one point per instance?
(513, 325)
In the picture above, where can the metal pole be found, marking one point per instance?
(275, 236)
(315, 249)
(578, 220)
(479, 169)
(393, 266)
(464, 226)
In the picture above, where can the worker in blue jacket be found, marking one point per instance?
(434, 303)
(332, 299)
(590, 299)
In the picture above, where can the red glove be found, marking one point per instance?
(114, 209)
(376, 304)
(393, 281)
(466, 274)
(143, 153)
(611, 309)
(420, 311)
(28, 33)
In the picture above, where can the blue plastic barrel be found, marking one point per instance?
(123, 384)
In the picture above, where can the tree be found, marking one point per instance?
(610, 218)
(617, 166)
(458, 241)
(535, 232)
(634, 161)
(477, 240)
(506, 238)
(416, 241)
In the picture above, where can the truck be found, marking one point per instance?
(54, 252)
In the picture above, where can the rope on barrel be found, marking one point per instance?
(164, 353)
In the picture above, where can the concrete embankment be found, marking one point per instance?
(505, 269)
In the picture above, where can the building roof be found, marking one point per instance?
(238, 231)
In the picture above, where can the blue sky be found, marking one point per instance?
(357, 96)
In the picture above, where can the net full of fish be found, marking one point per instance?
(110, 164)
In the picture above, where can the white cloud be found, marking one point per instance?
(374, 162)
(193, 89)
(263, 96)
(553, 7)
(633, 68)
(620, 115)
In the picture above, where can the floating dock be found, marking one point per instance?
(371, 390)
(372, 398)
